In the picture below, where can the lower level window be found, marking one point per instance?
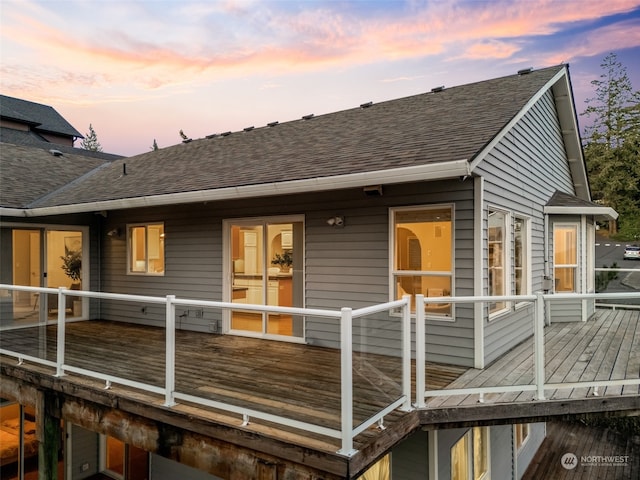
(470, 455)
(521, 433)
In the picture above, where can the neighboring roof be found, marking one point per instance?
(43, 117)
(432, 135)
(28, 174)
(562, 203)
(32, 139)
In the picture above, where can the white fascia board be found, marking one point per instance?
(12, 212)
(606, 212)
(433, 171)
(532, 101)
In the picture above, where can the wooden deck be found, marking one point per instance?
(302, 382)
(297, 381)
(604, 348)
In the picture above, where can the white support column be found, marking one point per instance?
(406, 353)
(538, 345)
(421, 366)
(62, 301)
(170, 359)
(346, 381)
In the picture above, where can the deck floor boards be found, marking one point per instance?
(302, 382)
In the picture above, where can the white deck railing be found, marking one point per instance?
(540, 302)
(346, 433)
(345, 316)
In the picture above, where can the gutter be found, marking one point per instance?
(433, 171)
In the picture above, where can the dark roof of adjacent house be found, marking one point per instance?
(32, 139)
(30, 174)
(43, 117)
(427, 136)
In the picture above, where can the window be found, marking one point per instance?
(423, 255)
(520, 434)
(565, 257)
(146, 249)
(380, 471)
(521, 254)
(497, 258)
(470, 455)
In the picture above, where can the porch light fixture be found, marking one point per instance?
(337, 221)
(115, 232)
(373, 191)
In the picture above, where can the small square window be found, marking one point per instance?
(146, 249)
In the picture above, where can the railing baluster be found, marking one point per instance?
(170, 354)
(61, 332)
(538, 344)
(421, 366)
(346, 381)
(406, 353)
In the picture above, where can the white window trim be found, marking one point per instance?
(577, 265)
(146, 273)
(527, 257)
(507, 252)
(393, 272)
(517, 448)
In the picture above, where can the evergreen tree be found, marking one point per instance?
(612, 148)
(90, 141)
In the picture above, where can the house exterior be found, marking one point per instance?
(476, 190)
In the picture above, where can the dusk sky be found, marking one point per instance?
(144, 70)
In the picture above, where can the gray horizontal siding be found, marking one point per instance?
(344, 267)
(521, 174)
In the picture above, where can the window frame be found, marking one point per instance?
(526, 258)
(146, 272)
(520, 439)
(471, 455)
(506, 261)
(395, 273)
(575, 266)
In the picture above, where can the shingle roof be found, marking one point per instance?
(430, 128)
(44, 117)
(564, 203)
(28, 174)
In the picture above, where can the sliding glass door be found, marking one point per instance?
(264, 260)
(41, 257)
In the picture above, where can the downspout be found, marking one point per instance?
(547, 281)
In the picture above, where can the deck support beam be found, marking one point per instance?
(48, 435)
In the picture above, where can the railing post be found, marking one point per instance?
(346, 381)
(61, 332)
(538, 344)
(170, 354)
(406, 353)
(421, 366)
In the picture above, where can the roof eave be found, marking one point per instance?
(432, 171)
(605, 213)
